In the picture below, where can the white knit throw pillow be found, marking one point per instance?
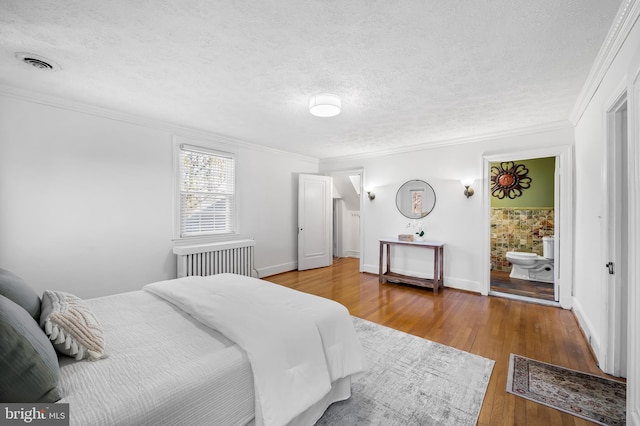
(71, 326)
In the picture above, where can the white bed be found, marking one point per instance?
(165, 367)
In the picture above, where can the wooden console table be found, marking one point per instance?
(438, 263)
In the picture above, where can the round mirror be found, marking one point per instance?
(415, 199)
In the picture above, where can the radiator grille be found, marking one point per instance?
(234, 257)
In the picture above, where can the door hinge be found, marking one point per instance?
(610, 266)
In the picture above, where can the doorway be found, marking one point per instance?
(347, 214)
(522, 203)
(563, 216)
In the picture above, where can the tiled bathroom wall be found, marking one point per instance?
(518, 230)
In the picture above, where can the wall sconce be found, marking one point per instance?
(370, 194)
(468, 192)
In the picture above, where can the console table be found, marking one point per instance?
(438, 262)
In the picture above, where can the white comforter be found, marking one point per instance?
(163, 368)
(297, 343)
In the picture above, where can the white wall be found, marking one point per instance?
(268, 181)
(455, 220)
(591, 292)
(591, 196)
(351, 233)
(86, 201)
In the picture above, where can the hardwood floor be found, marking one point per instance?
(488, 326)
(501, 282)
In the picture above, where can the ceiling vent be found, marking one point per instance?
(37, 61)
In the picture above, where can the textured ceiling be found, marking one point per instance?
(408, 72)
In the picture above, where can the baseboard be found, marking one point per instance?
(372, 269)
(462, 284)
(587, 330)
(277, 269)
(451, 282)
(282, 268)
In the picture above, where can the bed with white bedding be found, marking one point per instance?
(218, 350)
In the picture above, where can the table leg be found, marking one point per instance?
(441, 266)
(436, 277)
(388, 259)
(380, 262)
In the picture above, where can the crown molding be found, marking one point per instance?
(626, 17)
(540, 128)
(173, 128)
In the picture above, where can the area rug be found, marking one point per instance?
(593, 398)
(411, 381)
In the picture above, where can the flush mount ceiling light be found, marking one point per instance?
(37, 61)
(324, 105)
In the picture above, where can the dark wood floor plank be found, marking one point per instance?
(501, 282)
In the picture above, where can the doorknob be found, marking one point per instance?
(610, 266)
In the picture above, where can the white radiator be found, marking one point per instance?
(234, 257)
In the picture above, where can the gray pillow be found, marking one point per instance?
(29, 370)
(14, 288)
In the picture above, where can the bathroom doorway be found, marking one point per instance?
(522, 198)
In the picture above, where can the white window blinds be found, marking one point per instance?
(207, 189)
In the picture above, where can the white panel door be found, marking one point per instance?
(315, 222)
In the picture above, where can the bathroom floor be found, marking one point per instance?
(500, 281)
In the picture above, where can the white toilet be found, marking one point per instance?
(530, 266)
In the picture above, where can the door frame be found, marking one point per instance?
(633, 341)
(360, 172)
(611, 231)
(337, 228)
(563, 213)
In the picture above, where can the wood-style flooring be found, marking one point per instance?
(488, 326)
(501, 282)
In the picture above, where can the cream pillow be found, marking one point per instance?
(71, 326)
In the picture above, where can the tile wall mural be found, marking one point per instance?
(518, 230)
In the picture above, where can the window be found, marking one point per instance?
(206, 186)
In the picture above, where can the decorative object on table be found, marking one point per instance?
(411, 381)
(415, 199)
(590, 397)
(509, 180)
(405, 237)
(418, 230)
